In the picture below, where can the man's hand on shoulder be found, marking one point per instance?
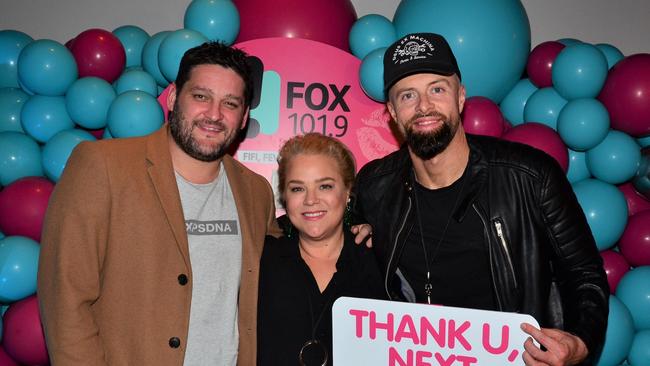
(362, 232)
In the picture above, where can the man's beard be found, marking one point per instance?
(429, 144)
(181, 130)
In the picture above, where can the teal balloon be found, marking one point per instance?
(134, 113)
(619, 334)
(605, 208)
(370, 32)
(371, 74)
(133, 39)
(58, 149)
(578, 169)
(11, 43)
(643, 141)
(218, 20)
(88, 100)
(579, 71)
(640, 350)
(583, 123)
(18, 268)
(11, 104)
(20, 156)
(569, 41)
(544, 106)
(150, 57)
(43, 117)
(616, 159)
(513, 104)
(107, 134)
(612, 54)
(634, 291)
(491, 39)
(47, 67)
(172, 49)
(136, 80)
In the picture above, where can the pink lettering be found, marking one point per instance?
(388, 326)
(505, 337)
(419, 358)
(457, 334)
(445, 362)
(406, 329)
(358, 314)
(427, 328)
(467, 360)
(393, 357)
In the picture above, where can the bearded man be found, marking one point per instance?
(477, 222)
(151, 245)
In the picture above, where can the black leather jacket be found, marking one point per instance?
(543, 258)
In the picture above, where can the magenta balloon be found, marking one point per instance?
(626, 95)
(99, 53)
(635, 200)
(635, 241)
(5, 359)
(482, 117)
(541, 137)
(22, 207)
(23, 335)
(540, 63)
(615, 267)
(326, 21)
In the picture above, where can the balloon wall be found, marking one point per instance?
(586, 105)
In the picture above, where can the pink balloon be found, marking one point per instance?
(99, 53)
(635, 241)
(541, 137)
(540, 63)
(482, 117)
(626, 95)
(22, 207)
(615, 267)
(635, 200)
(5, 359)
(327, 21)
(23, 337)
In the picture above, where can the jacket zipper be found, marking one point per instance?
(392, 254)
(487, 237)
(502, 240)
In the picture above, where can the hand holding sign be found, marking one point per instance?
(562, 348)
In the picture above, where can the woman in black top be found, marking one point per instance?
(317, 261)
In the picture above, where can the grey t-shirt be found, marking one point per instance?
(214, 238)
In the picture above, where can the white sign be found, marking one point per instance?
(376, 332)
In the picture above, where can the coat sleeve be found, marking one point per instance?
(72, 248)
(577, 263)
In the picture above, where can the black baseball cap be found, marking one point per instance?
(418, 53)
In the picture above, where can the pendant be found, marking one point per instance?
(313, 349)
(427, 291)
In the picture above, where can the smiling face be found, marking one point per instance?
(208, 112)
(315, 196)
(427, 110)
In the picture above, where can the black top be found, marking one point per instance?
(288, 290)
(459, 264)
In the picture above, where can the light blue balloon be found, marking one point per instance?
(87, 101)
(616, 159)
(619, 334)
(605, 207)
(133, 39)
(640, 350)
(370, 32)
(612, 54)
(107, 134)
(513, 104)
(544, 106)
(371, 74)
(18, 267)
(150, 57)
(47, 67)
(218, 20)
(577, 166)
(579, 71)
(569, 41)
(58, 149)
(491, 39)
(634, 291)
(136, 80)
(172, 49)
(11, 103)
(583, 123)
(134, 113)
(20, 156)
(643, 141)
(43, 117)
(11, 43)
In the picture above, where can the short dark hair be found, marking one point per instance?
(216, 53)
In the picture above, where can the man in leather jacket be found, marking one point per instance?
(477, 222)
